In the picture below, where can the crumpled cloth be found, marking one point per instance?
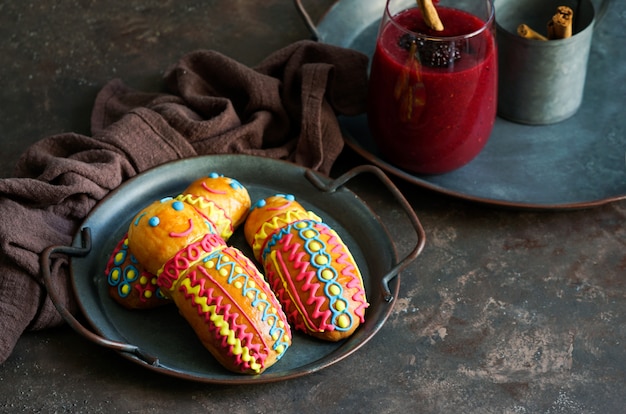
(286, 108)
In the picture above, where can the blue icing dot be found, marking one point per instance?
(120, 256)
(154, 221)
(131, 273)
(111, 280)
(120, 289)
(178, 205)
(259, 204)
(214, 175)
(163, 200)
(235, 184)
(286, 196)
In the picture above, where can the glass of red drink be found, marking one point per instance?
(432, 94)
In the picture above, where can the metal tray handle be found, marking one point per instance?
(307, 20)
(417, 226)
(69, 318)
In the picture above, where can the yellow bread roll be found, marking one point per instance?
(217, 289)
(225, 299)
(309, 268)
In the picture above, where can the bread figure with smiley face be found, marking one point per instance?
(217, 289)
(222, 201)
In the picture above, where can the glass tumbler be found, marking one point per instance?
(432, 94)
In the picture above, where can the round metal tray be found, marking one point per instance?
(577, 163)
(160, 339)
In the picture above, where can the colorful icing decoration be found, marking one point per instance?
(212, 212)
(219, 281)
(129, 284)
(318, 275)
(272, 218)
(309, 267)
(217, 289)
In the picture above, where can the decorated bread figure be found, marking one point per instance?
(229, 305)
(308, 266)
(223, 203)
(217, 289)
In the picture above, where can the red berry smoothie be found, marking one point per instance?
(426, 118)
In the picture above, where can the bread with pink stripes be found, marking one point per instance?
(308, 266)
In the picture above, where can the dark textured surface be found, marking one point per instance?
(504, 312)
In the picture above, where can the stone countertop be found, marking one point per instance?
(505, 311)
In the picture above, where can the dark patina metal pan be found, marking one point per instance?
(577, 163)
(160, 339)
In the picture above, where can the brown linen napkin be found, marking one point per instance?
(284, 108)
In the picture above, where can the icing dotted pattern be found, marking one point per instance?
(122, 271)
(344, 258)
(185, 258)
(277, 222)
(325, 274)
(215, 305)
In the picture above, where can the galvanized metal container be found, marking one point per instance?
(541, 82)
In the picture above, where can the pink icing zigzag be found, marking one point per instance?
(181, 261)
(350, 271)
(295, 255)
(289, 307)
(179, 265)
(215, 298)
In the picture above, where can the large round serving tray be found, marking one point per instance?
(577, 163)
(160, 339)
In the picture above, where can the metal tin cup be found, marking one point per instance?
(541, 82)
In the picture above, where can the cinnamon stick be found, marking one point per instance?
(410, 93)
(431, 17)
(560, 26)
(527, 32)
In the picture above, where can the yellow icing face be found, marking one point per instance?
(162, 229)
